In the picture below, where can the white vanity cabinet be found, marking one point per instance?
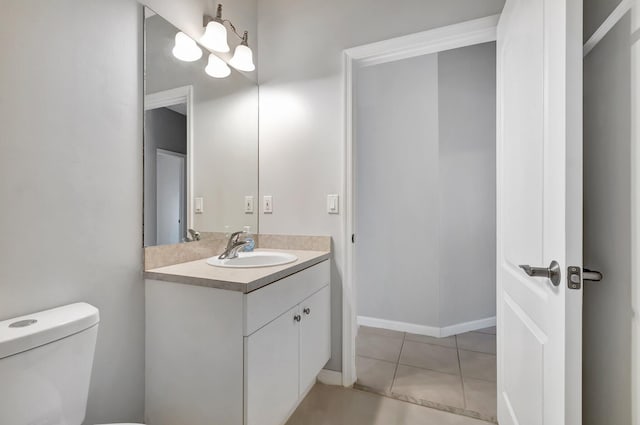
(216, 356)
(283, 358)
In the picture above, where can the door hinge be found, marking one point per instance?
(575, 277)
(353, 238)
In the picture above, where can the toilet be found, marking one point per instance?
(45, 366)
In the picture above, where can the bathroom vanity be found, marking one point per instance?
(235, 346)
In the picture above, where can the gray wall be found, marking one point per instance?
(71, 179)
(397, 189)
(163, 129)
(425, 184)
(301, 105)
(607, 229)
(467, 121)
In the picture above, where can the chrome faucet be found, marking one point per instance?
(194, 236)
(233, 247)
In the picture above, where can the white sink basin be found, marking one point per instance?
(254, 259)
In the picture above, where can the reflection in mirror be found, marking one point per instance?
(200, 144)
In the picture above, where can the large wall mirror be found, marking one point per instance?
(200, 144)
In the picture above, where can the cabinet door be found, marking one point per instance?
(315, 336)
(271, 370)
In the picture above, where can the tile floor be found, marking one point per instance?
(456, 374)
(334, 405)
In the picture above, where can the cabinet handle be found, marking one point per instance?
(297, 318)
(306, 310)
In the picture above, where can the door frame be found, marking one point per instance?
(449, 37)
(165, 98)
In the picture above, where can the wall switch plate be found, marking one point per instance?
(267, 204)
(198, 205)
(333, 204)
(248, 204)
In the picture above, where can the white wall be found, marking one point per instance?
(71, 172)
(71, 179)
(425, 185)
(301, 110)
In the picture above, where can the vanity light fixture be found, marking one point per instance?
(215, 38)
(216, 67)
(215, 33)
(185, 48)
(243, 56)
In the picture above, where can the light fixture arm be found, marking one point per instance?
(208, 18)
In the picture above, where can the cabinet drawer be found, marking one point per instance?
(265, 304)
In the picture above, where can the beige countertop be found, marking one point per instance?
(235, 279)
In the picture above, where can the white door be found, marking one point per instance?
(539, 211)
(170, 197)
(315, 336)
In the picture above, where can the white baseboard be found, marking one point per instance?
(330, 377)
(427, 330)
(474, 325)
(398, 326)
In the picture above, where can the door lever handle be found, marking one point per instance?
(552, 272)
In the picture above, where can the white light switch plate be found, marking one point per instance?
(248, 204)
(198, 205)
(267, 204)
(333, 204)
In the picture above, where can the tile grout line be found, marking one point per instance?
(464, 395)
(395, 372)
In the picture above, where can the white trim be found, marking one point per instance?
(170, 97)
(463, 327)
(399, 326)
(330, 377)
(453, 36)
(468, 33)
(434, 331)
(607, 25)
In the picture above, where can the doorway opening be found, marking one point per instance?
(420, 191)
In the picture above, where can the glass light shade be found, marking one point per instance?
(215, 37)
(216, 67)
(242, 59)
(185, 48)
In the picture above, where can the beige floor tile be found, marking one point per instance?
(481, 396)
(375, 374)
(378, 346)
(333, 405)
(380, 331)
(475, 341)
(478, 365)
(428, 385)
(448, 341)
(429, 356)
(491, 330)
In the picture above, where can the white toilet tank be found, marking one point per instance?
(45, 365)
